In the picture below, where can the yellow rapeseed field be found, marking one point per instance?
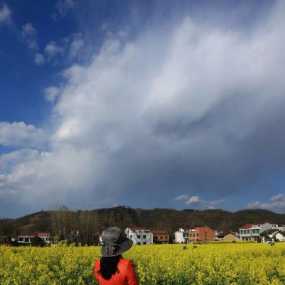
(207, 264)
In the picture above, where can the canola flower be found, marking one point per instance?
(206, 264)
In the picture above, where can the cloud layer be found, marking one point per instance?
(276, 203)
(196, 202)
(19, 134)
(5, 14)
(193, 109)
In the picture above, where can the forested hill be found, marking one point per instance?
(89, 222)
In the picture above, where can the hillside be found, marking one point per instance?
(62, 222)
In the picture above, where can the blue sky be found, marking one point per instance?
(141, 103)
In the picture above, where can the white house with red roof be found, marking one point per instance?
(27, 239)
(44, 236)
(252, 232)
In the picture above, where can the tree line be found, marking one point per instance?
(85, 226)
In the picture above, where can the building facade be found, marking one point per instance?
(180, 236)
(44, 236)
(160, 236)
(251, 232)
(27, 239)
(193, 235)
(201, 234)
(139, 235)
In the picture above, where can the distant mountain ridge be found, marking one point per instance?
(62, 222)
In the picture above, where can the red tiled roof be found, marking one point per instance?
(247, 226)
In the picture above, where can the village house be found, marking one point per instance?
(27, 239)
(160, 236)
(180, 236)
(250, 232)
(24, 239)
(272, 235)
(219, 235)
(139, 235)
(192, 235)
(202, 234)
(279, 236)
(44, 236)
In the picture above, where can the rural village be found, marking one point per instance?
(266, 232)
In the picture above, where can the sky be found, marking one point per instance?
(150, 104)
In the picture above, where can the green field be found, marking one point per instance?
(206, 264)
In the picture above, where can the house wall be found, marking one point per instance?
(250, 234)
(160, 237)
(193, 236)
(179, 237)
(253, 233)
(24, 239)
(140, 236)
(205, 234)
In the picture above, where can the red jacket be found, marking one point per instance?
(126, 274)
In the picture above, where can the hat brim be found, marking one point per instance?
(125, 245)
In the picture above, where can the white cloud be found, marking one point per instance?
(76, 46)
(193, 200)
(39, 59)
(146, 118)
(51, 93)
(196, 201)
(5, 14)
(21, 134)
(52, 50)
(181, 197)
(71, 47)
(45, 177)
(276, 203)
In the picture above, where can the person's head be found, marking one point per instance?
(115, 242)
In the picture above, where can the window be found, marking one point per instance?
(144, 236)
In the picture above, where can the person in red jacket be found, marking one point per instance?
(112, 268)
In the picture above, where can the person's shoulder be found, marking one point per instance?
(124, 262)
